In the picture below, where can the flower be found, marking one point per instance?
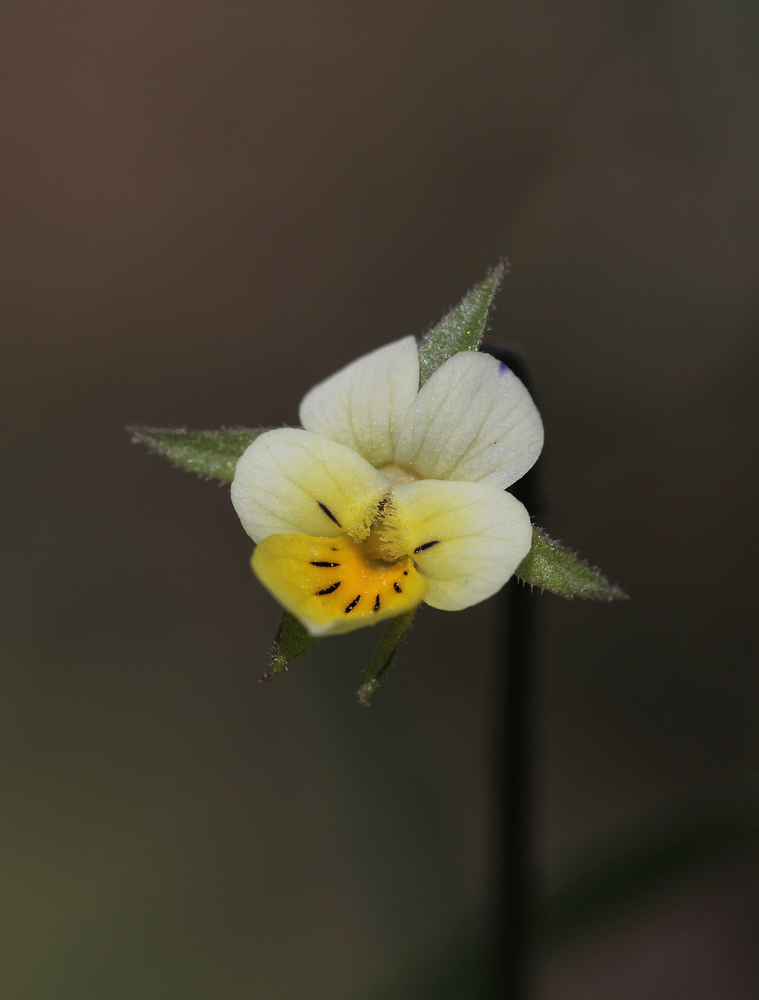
(391, 495)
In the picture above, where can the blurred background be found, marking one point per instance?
(209, 206)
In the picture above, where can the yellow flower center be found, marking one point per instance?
(386, 540)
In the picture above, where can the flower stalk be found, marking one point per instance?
(512, 863)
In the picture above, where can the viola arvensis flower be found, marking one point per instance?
(393, 491)
(392, 495)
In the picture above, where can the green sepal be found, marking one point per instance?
(551, 566)
(383, 656)
(463, 328)
(212, 454)
(291, 640)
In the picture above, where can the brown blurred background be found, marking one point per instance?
(207, 207)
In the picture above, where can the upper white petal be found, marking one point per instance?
(472, 421)
(480, 536)
(285, 479)
(364, 404)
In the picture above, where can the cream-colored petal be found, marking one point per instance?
(472, 421)
(364, 404)
(292, 482)
(466, 538)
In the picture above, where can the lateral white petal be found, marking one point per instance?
(364, 404)
(472, 421)
(466, 538)
(292, 482)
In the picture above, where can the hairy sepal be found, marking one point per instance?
(553, 567)
(292, 639)
(383, 656)
(212, 454)
(461, 329)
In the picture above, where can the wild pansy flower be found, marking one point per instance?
(393, 491)
(392, 495)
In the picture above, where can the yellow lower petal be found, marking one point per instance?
(331, 585)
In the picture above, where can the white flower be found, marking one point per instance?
(392, 495)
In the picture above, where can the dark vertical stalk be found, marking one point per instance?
(513, 747)
(512, 808)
